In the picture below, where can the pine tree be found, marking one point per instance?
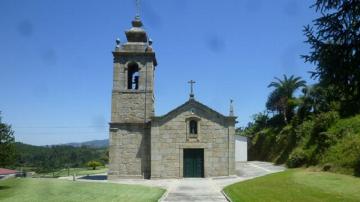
(334, 38)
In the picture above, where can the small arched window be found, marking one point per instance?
(133, 76)
(193, 127)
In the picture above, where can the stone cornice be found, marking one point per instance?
(116, 125)
(118, 54)
(130, 91)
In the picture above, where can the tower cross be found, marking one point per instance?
(137, 4)
(191, 82)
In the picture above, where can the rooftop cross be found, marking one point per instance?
(191, 82)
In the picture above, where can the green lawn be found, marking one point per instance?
(297, 185)
(33, 189)
(77, 171)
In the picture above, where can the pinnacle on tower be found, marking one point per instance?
(137, 22)
(231, 108)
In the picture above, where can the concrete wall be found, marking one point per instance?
(240, 148)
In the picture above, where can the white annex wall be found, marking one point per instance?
(240, 148)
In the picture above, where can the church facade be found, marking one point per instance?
(192, 140)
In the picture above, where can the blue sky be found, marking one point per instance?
(56, 61)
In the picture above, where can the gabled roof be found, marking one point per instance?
(195, 104)
(4, 171)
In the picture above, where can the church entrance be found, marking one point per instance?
(193, 163)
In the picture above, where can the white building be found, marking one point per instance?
(240, 148)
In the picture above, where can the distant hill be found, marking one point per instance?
(92, 143)
(50, 157)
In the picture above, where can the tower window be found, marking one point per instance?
(193, 127)
(133, 76)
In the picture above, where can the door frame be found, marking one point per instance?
(202, 152)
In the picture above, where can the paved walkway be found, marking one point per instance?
(194, 189)
(197, 189)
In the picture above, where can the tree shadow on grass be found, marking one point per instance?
(357, 169)
(4, 187)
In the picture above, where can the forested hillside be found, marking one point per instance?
(321, 125)
(92, 143)
(324, 140)
(50, 158)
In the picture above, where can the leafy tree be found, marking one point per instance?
(315, 100)
(260, 121)
(7, 145)
(105, 158)
(335, 42)
(93, 164)
(282, 98)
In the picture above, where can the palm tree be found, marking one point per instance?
(282, 98)
(315, 99)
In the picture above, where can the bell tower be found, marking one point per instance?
(132, 105)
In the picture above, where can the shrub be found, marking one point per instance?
(319, 135)
(263, 145)
(345, 127)
(284, 133)
(323, 121)
(297, 158)
(345, 155)
(327, 167)
(304, 130)
(93, 164)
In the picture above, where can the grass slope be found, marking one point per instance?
(297, 185)
(61, 190)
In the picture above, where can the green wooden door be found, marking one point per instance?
(193, 163)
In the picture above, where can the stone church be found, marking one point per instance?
(192, 140)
